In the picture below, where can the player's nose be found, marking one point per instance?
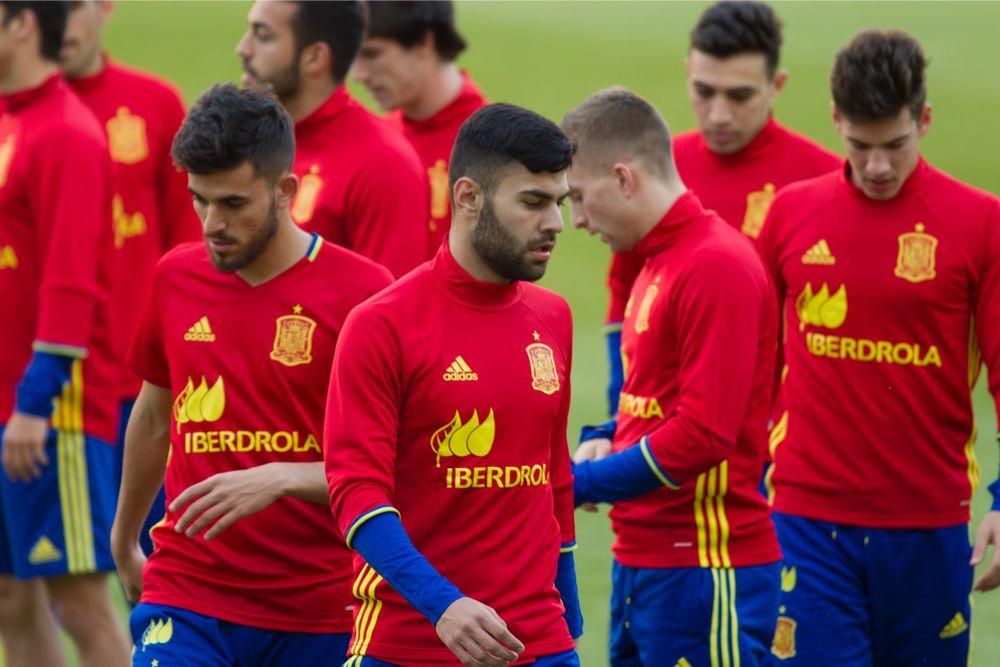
(878, 163)
(243, 46)
(719, 112)
(553, 220)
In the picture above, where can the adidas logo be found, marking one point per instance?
(954, 628)
(459, 371)
(44, 552)
(200, 332)
(819, 254)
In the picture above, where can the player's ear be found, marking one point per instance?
(836, 117)
(625, 178)
(779, 80)
(285, 190)
(924, 120)
(317, 58)
(467, 197)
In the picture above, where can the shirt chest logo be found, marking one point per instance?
(8, 258)
(821, 308)
(544, 374)
(459, 371)
(127, 137)
(201, 403)
(917, 255)
(308, 194)
(758, 204)
(293, 338)
(820, 254)
(200, 332)
(464, 438)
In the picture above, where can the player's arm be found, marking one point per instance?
(359, 452)
(69, 199)
(986, 313)
(178, 221)
(622, 272)
(388, 210)
(147, 443)
(720, 308)
(767, 244)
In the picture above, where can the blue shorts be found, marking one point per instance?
(692, 616)
(566, 659)
(158, 510)
(61, 523)
(167, 636)
(854, 596)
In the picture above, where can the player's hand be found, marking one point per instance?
(129, 561)
(223, 499)
(23, 454)
(592, 450)
(477, 635)
(988, 533)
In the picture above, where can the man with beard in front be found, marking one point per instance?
(445, 440)
(235, 349)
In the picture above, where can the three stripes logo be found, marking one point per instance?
(459, 371)
(200, 332)
(819, 254)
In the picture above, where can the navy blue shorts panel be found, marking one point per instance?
(692, 616)
(61, 523)
(862, 597)
(158, 510)
(174, 636)
(565, 659)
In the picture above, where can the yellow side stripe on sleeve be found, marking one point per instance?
(612, 327)
(570, 548)
(365, 517)
(60, 349)
(660, 475)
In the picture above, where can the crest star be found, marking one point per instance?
(297, 309)
(536, 335)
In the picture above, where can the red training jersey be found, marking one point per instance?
(433, 139)
(360, 184)
(151, 206)
(249, 367)
(448, 402)
(890, 308)
(738, 186)
(698, 343)
(55, 247)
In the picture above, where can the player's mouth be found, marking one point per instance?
(220, 245)
(542, 251)
(880, 184)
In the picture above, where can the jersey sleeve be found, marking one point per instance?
(986, 306)
(360, 432)
(146, 356)
(178, 221)
(70, 200)
(622, 272)
(388, 212)
(562, 477)
(719, 314)
(767, 244)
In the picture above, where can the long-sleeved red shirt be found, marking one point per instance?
(361, 185)
(55, 251)
(448, 402)
(698, 343)
(151, 206)
(738, 186)
(890, 309)
(249, 367)
(433, 139)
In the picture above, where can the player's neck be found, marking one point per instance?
(440, 89)
(660, 198)
(92, 68)
(25, 73)
(289, 245)
(311, 96)
(460, 246)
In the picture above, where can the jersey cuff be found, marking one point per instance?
(58, 348)
(360, 520)
(567, 547)
(612, 327)
(657, 470)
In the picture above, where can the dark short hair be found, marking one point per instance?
(878, 74)
(729, 28)
(228, 127)
(615, 123)
(500, 135)
(340, 24)
(51, 17)
(407, 22)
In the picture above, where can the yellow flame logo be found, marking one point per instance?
(200, 404)
(463, 439)
(158, 632)
(822, 309)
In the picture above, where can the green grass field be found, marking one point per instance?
(550, 55)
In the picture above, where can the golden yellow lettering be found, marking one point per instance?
(244, 441)
(902, 353)
(212, 438)
(187, 443)
(848, 348)
(311, 444)
(832, 346)
(495, 477)
(933, 357)
(537, 475)
(281, 441)
(512, 477)
(883, 351)
(227, 441)
(866, 350)
(449, 481)
(263, 439)
(478, 478)
(463, 478)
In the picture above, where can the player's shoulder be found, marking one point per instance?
(959, 198)
(809, 152)
(68, 121)
(549, 305)
(810, 191)
(184, 259)
(347, 268)
(142, 84)
(686, 142)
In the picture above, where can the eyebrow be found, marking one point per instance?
(734, 89)
(884, 143)
(542, 194)
(225, 198)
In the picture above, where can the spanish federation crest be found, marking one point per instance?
(305, 200)
(916, 258)
(127, 137)
(758, 203)
(293, 338)
(783, 644)
(544, 375)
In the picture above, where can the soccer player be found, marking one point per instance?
(57, 404)
(888, 272)
(235, 349)
(407, 62)
(445, 441)
(740, 155)
(695, 573)
(360, 182)
(151, 207)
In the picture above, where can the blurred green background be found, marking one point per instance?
(550, 55)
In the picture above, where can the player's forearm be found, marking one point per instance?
(43, 380)
(630, 473)
(306, 481)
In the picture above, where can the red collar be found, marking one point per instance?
(469, 291)
(686, 210)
